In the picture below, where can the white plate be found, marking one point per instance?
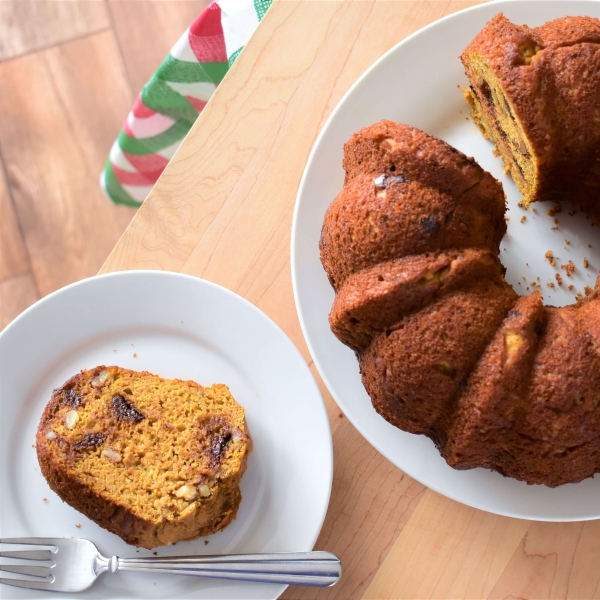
(179, 327)
(419, 83)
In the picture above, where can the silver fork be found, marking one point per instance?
(76, 564)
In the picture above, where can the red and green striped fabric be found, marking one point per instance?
(175, 95)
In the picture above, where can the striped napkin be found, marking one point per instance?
(171, 101)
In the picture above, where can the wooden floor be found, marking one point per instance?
(69, 72)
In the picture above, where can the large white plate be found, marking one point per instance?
(179, 327)
(419, 83)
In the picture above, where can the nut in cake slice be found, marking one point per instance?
(152, 460)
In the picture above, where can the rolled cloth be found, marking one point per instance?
(175, 95)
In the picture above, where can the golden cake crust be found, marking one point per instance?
(154, 461)
(446, 348)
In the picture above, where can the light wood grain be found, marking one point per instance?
(16, 294)
(222, 210)
(13, 255)
(371, 502)
(447, 550)
(146, 31)
(29, 25)
(54, 140)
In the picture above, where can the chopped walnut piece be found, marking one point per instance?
(569, 268)
(571, 287)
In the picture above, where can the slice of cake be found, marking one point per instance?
(535, 92)
(153, 460)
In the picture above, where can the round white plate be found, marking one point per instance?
(182, 327)
(419, 83)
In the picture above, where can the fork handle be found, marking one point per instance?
(318, 569)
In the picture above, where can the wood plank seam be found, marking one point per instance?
(4, 174)
(122, 58)
(75, 38)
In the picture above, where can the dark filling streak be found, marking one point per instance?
(123, 409)
(93, 440)
(430, 226)
(72, 398)
(487, 92)
(219, 443)
(214, 447)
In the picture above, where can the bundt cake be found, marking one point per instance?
(536, 94)
(446, 348)
(153, 460)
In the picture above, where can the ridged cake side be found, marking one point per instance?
(446, 347)
(153, 460)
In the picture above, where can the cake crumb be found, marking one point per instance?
(135, 355)
(589, 245)
(45, 499)
(571, 287)
(206, 542)
(533, 284)
(569, 268)
(588, 290)
(586, 264)
(554, 210)
(533, 208)
(507, 219)
(579, 295)
(567, 242)
(78, 525)
(115, 351)
(550, 284)
(155, 553)
(559, 279)
(572, 212)
(523, 219)
(555, 228)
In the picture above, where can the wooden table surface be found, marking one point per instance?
(222, 211)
